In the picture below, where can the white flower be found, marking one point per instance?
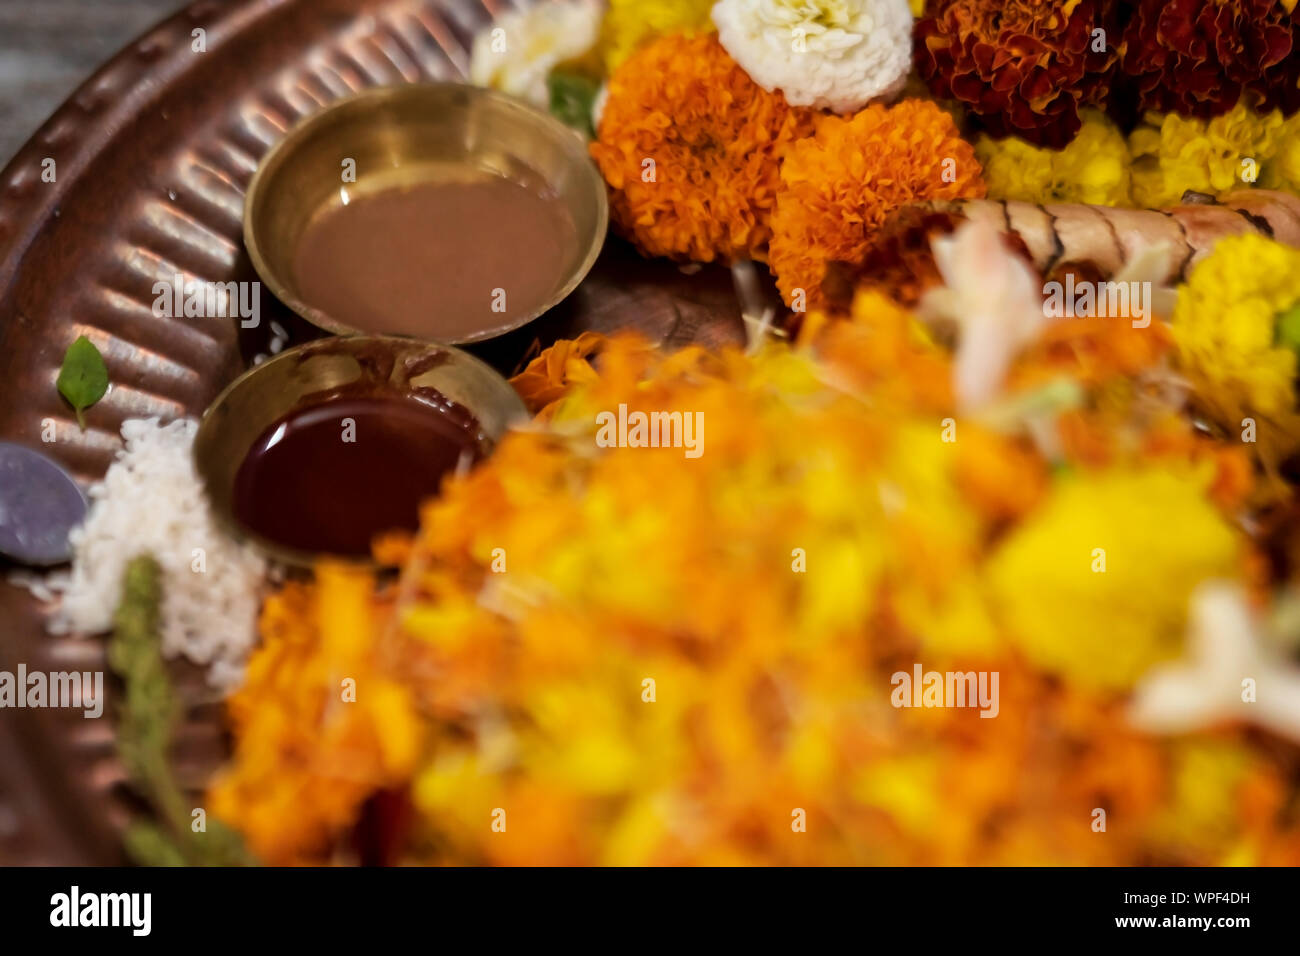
(995, 301)
(827, 54)
(517, 53)
(1227, 647)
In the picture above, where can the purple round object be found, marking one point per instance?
(40, 504)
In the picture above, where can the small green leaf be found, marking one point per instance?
(571, 99)
(83, 379)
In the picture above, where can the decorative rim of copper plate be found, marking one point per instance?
(152, 155)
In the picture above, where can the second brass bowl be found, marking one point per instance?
(296, 377)
(402, 135)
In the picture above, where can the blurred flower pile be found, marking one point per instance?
(626, 656)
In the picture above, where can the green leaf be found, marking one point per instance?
(571, 99)
(147, 719)
(220, 846)
(83, 379)
(148, 845)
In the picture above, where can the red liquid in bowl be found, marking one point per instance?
(330, 476)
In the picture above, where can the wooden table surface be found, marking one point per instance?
(48, 47)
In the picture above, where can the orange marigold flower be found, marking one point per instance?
(549, 377)
(691, 149)
(307, 755)
(839, 186)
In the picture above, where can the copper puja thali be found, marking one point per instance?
(331, 478)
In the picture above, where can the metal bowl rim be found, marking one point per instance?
(293, 136)
(296, 557)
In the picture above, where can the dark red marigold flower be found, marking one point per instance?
(1021, 67)
(1197, 57)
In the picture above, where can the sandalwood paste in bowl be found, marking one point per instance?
(440, 211)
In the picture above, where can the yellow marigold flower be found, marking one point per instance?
(838, 187)
(629, 24)
(690, 147)
(1173, 154)
(1226, 331)
(1092, 168)
(1283, 171)
(1095, 586)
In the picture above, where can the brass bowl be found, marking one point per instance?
(403, 135)
(296, 377)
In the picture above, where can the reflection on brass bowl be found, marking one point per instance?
(299, 377)
(422, 136)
